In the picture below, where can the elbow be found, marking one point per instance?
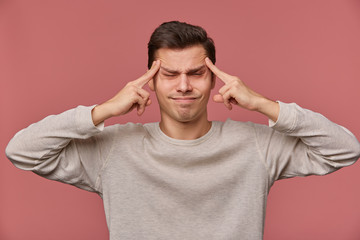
(13, 153)
(355, 151)
(353, 146)
(10, 152)
(347, 157)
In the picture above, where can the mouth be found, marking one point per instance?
(184, 99)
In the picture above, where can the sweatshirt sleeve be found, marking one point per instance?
(66, 147)
(303, 143)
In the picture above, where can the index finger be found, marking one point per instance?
(220, 74)
(144, 79)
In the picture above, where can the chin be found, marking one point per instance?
(187, 117)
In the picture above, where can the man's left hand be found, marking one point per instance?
(236, 92)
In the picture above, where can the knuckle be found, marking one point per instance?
(144, 93)
(239, 80)
(131, 85)
(132, 90)
(234, 79)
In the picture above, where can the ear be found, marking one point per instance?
(151, 85)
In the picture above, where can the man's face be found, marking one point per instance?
(183, 84)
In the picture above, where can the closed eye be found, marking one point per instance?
(169, 75)
(197, 73)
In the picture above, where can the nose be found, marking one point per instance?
(184, 84)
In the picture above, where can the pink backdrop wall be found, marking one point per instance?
(55, 55)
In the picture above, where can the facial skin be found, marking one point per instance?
(182, 85)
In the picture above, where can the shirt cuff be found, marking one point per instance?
(287, 118)
(271, 122)
(84, 122)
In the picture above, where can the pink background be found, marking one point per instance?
(55, 55)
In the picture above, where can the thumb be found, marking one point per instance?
(218, 98)
(148, 102)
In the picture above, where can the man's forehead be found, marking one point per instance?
(181, 59)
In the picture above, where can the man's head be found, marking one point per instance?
(183, 82)
(179, 35)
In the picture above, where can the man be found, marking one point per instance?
(184, 177)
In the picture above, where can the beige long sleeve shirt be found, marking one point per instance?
(156, 187)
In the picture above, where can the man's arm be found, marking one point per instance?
(304, 142)
(66, 147)
(72, 146)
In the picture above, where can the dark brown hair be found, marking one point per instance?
(179, 35)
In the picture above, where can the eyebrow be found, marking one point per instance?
(190, 71)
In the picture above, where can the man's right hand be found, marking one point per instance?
(131, 96)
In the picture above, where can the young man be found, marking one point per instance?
(184, 177)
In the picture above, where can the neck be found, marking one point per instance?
(185, 130)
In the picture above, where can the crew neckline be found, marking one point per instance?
(160, 134)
